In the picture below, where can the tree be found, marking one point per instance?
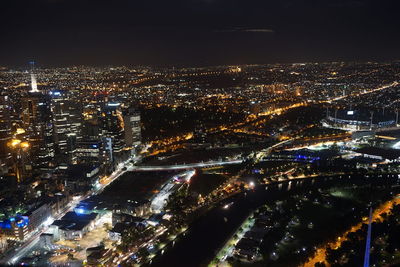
(178, 202)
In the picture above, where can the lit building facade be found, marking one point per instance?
(38, 124)
(67, 120)
(132, 128)
(15, 228)
(5, 134)
(360, 120)
(113, 127)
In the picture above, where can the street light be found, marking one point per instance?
(14, 143)
(252, 185)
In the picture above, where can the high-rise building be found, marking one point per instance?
(5, 134)
(14, 149)
(67, 119)
(90, 148)
(38, 124)
(91, 130)
(132, 128)
(71, 148)
(113, 127)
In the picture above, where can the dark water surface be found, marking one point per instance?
(209, 233)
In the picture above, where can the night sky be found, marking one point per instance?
(196, 32)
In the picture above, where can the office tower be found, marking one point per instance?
(67, 119)
(91, 130)
(132, 128)
(14, 149)
(113, 127)
(89, 148)
(5, 134)
(38, 124)
(71, 148)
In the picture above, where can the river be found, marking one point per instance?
(207, 234)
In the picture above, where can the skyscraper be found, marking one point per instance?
(5, 134)
(67, 119)
(132, 128)
(113, 127)
(38, 124)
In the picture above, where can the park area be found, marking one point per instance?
(297, 226)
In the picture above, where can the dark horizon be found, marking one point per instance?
(197, 32)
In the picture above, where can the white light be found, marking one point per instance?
(48, 221)
(350, 112)
(190, 175)
(80, 211)
(113, 104)
(396, 146)
(97, 185)
(34, 83)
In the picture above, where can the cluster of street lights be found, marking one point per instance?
(17, 147)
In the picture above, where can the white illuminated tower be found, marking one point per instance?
(34, 88)
(38, 124)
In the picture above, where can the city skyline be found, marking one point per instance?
(185, 166)
(192, 133)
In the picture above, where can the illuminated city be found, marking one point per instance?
(141, 135)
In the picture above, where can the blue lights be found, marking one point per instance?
(306, 158)
(18, 221)
(301, 157)
(80, 211)
(5, 225)
(55, 93)
(23, 221)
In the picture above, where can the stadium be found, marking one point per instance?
(361, 119)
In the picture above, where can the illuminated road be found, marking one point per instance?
(265, 152)
(320, 255)
(363, 93)
(159, 200)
